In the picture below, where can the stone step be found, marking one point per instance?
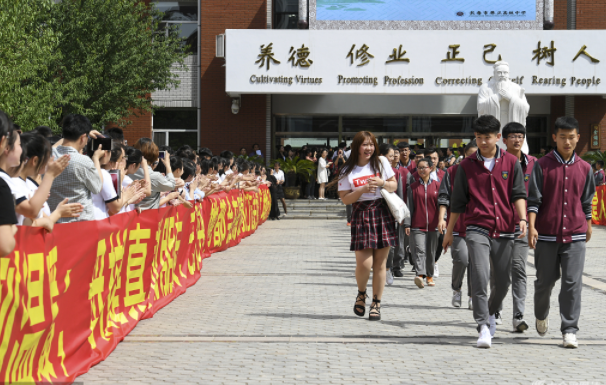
(313, 208)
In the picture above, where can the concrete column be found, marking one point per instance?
(548, 14)
(303, 10)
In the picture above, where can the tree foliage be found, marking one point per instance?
(99, 58)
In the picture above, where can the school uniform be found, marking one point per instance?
(423, 223)
(485, 190)
(411, 166)
(561, 194)
(460, 256)
(397, 255)
(519, 253)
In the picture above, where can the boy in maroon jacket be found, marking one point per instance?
(513, 137)
(559, 211)
(489, 189)
(422, 224)
(460, 256)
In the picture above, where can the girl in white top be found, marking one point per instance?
(32, 209)
(323, 173)
(372, 225)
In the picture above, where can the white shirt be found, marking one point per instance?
(19, 188)
(33, 187)
(359, 176)
(107, 195)
(127, 181)
(489, 163)
(434, 175)
(279, 175)
(18, 194)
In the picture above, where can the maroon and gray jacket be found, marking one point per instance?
(487, 197)
(527, 163)
(444, 200)
(560, 193)
(423, 205)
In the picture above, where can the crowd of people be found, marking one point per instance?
(489, 206)
(85, 175)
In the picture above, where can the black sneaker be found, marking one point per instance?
(497, 318)
(398, 273)
(519, 325)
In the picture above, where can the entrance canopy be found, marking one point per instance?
(403, 62)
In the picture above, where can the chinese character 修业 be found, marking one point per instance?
(361, 54)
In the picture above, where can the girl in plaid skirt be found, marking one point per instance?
(372, 225)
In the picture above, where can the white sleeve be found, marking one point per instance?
(108, 192)
(386, 167)
(344, 184)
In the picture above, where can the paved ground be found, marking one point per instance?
(278, 309)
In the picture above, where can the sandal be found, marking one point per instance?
(360, 310)
(375, 310)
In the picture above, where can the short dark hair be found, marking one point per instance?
(429, 150)
(6, 125)
(44, 131)
(486, 124)
(115, 133)
(426, 159)
(513, 128)
(566, 123)
(189, 168)
(74, 126)
(133, 156)
(600, 163)
(470, 145)
(342, 145)
(402, 145)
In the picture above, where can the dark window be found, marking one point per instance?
(178, 139)
(182, 15)
(398, 124)
(307, 124)
(181, 119)
(286, 14)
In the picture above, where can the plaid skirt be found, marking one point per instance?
(372, 226)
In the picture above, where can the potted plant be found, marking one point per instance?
(592, 156)
(295, 170)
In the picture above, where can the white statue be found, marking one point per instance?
(503, 99)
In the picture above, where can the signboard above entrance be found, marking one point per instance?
(412, 62)
(448, 10)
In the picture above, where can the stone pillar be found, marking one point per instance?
(303, 10)
(548, 14)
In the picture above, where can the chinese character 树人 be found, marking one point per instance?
(455, 52)
(545, 53)
(266, 55)
(397, 55)
(583, 51)
(361, 54)
(302, 56)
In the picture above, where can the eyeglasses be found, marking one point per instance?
(514, 137)
(422, 168)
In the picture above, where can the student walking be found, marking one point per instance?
(513, 137)
(559, 209)
(487, 187)
(422, 224)
(460, 255)
(372, 225)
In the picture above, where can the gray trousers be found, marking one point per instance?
(395, 259)
(460, 264)
(549, 258)
(519, 257)
(422, 247)
(485, 252)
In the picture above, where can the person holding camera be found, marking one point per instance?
(82, 177)
(158, 183)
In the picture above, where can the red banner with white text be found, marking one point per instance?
(599, 206)
(69, 297)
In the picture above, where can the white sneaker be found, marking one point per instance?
(493, 325)
(484, 338)
(389, 278)
(456, 298)
(570, 340)
(470, 304)
(542, 326)
(519, 325)
(436, 271)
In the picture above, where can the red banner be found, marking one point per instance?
(599, 206)
(68, 298)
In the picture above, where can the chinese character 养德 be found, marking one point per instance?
(545, 53)
(266, 55)
(583, 51)
(361, 54)
(302, 56)
(397, 55)
(455, 52)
